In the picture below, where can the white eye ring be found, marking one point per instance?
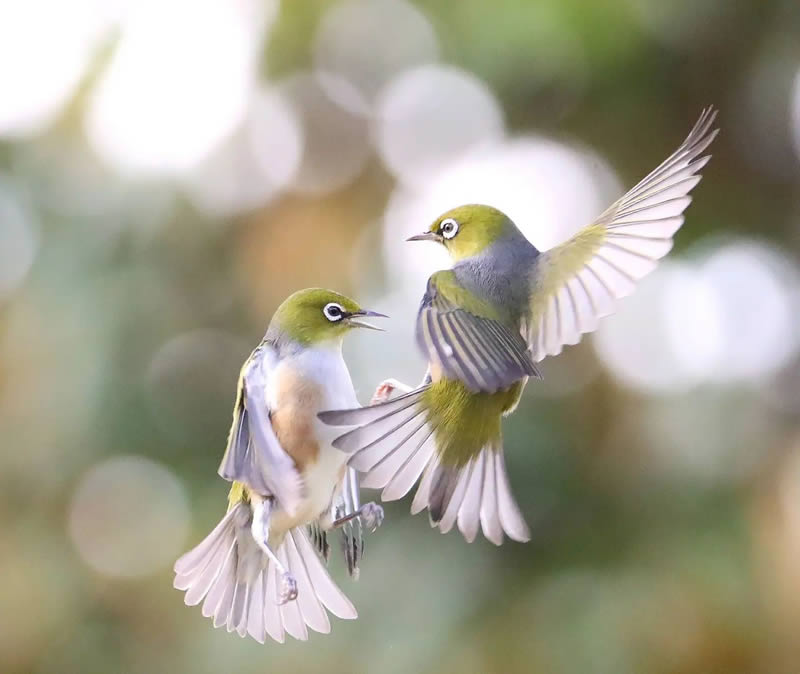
(333, 312)
(448, 228)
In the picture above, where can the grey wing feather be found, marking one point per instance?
(319, 539)
(480, 352)
(346, 502)
(351, 533)
(254, 455)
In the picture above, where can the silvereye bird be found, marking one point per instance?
(286, 477)
(484, 324)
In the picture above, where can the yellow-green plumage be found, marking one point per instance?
(465, 422)
(563, 262)
(299, 316)
(488, 225)
(237, 494)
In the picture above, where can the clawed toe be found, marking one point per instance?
(288, 588)
(383, 392)
(371, 516)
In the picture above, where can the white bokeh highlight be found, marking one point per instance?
(177, 84)
(129, 517)
(191, 374)
(336, 142)
(360, 45)
(758, 324)
(19, 239)
(253, 165)
(429, 116)
(728, 316)
(636, 344)
(45, 48)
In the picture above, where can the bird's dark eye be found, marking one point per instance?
(333, 312)
(448, 228)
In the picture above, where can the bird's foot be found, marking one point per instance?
(371, 515)
(385, 390)
(288, 588)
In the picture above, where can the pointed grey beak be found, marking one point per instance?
(425, 236)
(364, 324)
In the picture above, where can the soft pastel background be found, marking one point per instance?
(171, 169)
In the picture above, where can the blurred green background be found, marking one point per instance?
(170, 171)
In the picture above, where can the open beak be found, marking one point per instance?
(426, 236)
(351, 319)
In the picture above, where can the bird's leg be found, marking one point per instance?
(371, 515)
(389, 386)
(262, 509)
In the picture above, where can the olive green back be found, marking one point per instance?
(466, 422)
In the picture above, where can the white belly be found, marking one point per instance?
(326, 368)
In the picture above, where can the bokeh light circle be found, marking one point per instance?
(336, 142)
(635, 344)
(191, 384)
(19, 240)
(727, 316)
(429, 116)
(752, 284)
(255, 163)
(45, 48)
(160, 107)
(361, 44)
(129, 517)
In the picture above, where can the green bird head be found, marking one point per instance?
(468, 230)
(315, 315)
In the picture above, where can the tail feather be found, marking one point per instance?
(394, 444)
(447, 490)
(255, 614)
(329, 594)
(238, 585)
(273, 623)
(477, 493)
(489, 516)
(420, 501)
(470, 511)
(291, 614)
(307, 600)
(511, 518)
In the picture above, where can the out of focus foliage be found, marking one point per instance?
(170, 170)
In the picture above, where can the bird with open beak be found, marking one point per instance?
(259, 572)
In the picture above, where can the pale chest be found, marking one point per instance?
(298, 388)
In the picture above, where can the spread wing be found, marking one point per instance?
(579, 281)
(462, 334)
(254, 456)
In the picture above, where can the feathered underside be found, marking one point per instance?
(577, 283)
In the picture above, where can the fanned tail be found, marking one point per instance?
(395, 443)
(474, 495)
(238, 585)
